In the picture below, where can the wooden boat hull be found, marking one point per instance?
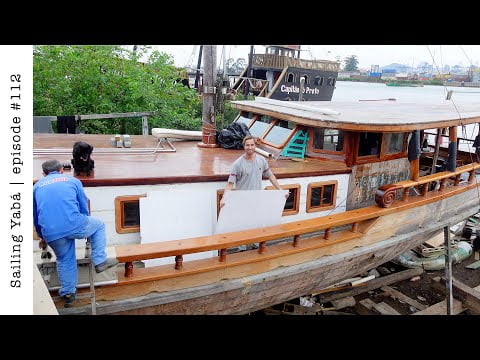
(256, 285)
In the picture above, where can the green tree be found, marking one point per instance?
(70, 80)
(351, 63)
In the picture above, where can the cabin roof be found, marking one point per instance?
(188, 164)
(382, 116)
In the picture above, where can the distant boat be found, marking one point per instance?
(403, 84)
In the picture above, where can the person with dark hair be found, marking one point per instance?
(248, 170)
(60, 215)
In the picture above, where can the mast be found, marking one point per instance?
(199, 63)
(249, 72)
(209, 131)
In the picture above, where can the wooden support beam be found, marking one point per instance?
(128, 269)
(178, 262)
(296, 240)
(327, 234)
(415, 169)
(373, 284)
(223, 255)
(468, 296)
(400, 296)
(261, 248)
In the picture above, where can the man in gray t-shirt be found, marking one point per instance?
(248, 169)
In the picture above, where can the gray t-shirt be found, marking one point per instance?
(247, 174)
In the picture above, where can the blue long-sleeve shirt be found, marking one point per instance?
(60, 206)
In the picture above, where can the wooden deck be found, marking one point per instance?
(189, 163)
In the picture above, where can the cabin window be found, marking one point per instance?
(329, 81)
(307, 79)
(292, 204)
(369, 144)
(393, 142)
(321, 196)
(327, 139)
(127, 213)
(279, 133)
(291, 77)
(334, 81)
(260, 125)
(318, 81)
(244, 120)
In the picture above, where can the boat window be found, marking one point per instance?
(307, 79)
(318, 81)
(290, 77)
(393, 142)
(244, 120)
(279, 133)
(327, 139)
(127, 213)
(334, 81)
(369, 144)
(329, 81)
(260, 125)
(321, 196)
(292, 204)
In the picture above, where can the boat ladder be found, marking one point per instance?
(296, 147)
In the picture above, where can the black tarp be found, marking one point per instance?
(232, 136)
(414, 146)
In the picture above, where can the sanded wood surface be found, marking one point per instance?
(369, 116)
(189, 163)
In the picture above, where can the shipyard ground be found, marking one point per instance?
(420, 288)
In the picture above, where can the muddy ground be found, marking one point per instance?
(420, 290)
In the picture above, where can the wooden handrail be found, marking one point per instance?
(355, 218)
(386, 194)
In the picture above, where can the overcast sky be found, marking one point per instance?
(367, 55)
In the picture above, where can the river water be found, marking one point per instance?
(350, 90)
(428, 94)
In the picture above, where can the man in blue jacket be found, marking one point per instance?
(60, 215)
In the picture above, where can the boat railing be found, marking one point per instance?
(285, 239)
(447, 136)
(144, 115)
(260, 86)
(280, 62)
(386, 195)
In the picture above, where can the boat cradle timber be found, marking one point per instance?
(356, 202)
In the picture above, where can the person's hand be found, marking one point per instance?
(222, 202)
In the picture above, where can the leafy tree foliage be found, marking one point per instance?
(351, 63)
(69, 80)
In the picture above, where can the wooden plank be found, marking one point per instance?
(382, 308)
(385, 309)
(475, 265)
(441, 308)
(374, 284)
(400, 296)
(469, 297)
